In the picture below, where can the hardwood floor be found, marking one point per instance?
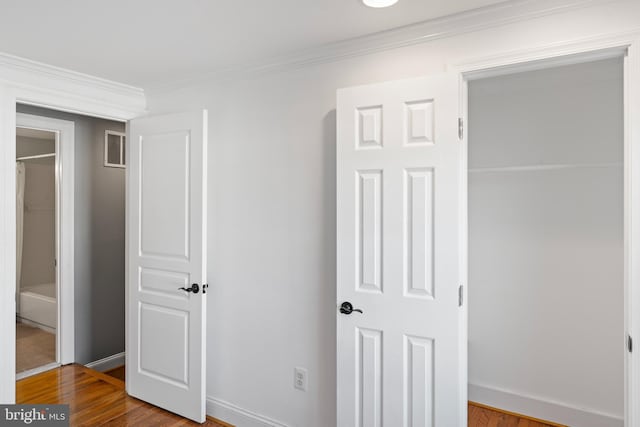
(96, 399)
(486, 416)
(118, 373)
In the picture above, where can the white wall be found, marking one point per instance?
(272, 215)
(546, 296)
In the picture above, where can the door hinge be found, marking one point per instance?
(460, 128)
(629, 343)
(460, 295)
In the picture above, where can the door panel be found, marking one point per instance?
(166, 213)
(418, 393)
(155, 172)
(398, 210)
(418, 233)
(369, 231)
(369, 372)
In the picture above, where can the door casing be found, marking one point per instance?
(627, 46)
(58, 90)
(64, 225)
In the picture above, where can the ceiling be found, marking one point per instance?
(147, 42)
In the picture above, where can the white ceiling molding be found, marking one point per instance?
(552, 55)
(423, 32)
(46, 85)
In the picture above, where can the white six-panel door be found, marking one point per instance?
(166, 244)
(398, 240)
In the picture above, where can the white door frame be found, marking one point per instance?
(627, 45)
(28, 82)
(64, 228)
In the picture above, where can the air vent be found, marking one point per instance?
(114, 149)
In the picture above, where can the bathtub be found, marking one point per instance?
(38, 305)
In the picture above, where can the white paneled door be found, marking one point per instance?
(166, 245)
(401, 357)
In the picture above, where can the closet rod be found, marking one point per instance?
(530, 168)
(39, 156)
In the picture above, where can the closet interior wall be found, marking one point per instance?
(546, 309)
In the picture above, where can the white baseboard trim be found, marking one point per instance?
(537, 407)
(107, 363)
(36, 325)
(37, 370)
(239, 417)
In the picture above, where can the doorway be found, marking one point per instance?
(546, 243)
(90, 264)
(44, 245)
(36, 250)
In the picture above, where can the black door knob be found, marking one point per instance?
(347, 308)
(194, 288)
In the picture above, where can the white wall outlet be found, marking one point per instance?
(300, 379)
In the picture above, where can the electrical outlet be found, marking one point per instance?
(300, 379)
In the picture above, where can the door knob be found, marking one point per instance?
(194, 288)
(347, 308)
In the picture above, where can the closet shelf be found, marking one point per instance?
(533, 168)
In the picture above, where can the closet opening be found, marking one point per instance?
(546, 248)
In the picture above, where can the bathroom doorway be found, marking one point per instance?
(45, 309)
(36, 249)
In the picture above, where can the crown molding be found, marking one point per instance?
(423, 32)
(46, 85)
(558, 54)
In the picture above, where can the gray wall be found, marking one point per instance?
(99, 239)
(546, 245)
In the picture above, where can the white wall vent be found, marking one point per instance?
(114, 149)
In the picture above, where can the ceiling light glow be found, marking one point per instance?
(379, 3)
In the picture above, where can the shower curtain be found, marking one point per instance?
(20, 180)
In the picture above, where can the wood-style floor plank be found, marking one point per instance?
(118, 372)
(96, 399)
(486, 416)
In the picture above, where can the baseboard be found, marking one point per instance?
(35, 324)
(37, 370)
(107, 363)
(556, 412)
(238, 416)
